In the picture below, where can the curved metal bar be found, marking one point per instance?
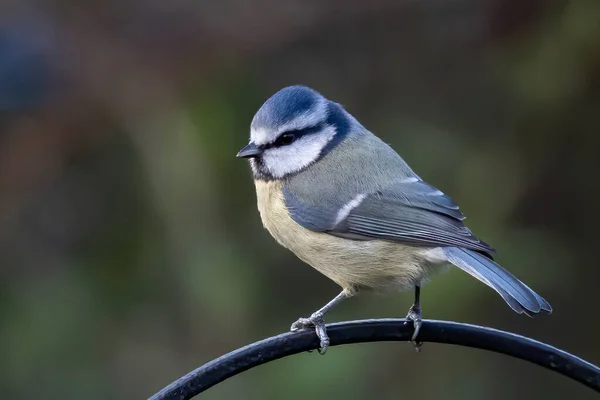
(377, 330)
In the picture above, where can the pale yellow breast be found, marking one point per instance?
(352, 264)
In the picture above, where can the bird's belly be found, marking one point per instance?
(354, 265)
(376, 264)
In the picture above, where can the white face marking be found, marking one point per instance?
(351, 205)
(318, 114)
(284, 160)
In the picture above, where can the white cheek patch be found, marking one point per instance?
(284, 160)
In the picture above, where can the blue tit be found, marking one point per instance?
(347, 204)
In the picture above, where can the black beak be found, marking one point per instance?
(250, 151)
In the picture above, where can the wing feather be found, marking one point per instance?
(410, 212)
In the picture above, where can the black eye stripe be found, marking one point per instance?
(285, 139)
(296, 134)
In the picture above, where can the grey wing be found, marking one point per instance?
(417, 213)
(409, 211)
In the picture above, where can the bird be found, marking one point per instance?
(344, 202)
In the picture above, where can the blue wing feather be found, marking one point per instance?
(516, 294)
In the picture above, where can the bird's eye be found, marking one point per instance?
(286, 138)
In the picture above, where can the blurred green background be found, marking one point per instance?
(131, 250)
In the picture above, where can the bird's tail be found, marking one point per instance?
(516, 294)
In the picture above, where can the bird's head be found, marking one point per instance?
(292, 130)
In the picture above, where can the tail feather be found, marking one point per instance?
(516, 294)
(543, 303)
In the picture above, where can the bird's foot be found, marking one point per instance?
(416, 316)
(317, 323)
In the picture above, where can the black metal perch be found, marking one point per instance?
(378, 330)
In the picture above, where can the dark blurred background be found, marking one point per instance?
(131, 250)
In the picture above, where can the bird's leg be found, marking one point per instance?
(415, 315)
(316, 321)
